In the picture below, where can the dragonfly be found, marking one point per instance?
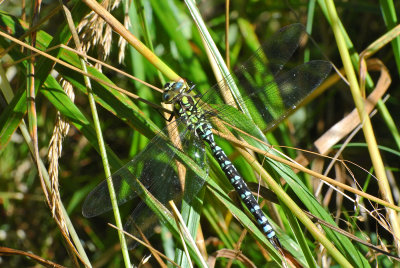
(270, 97)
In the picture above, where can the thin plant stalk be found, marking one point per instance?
(103, 152)
(375, 155)
(107, 171)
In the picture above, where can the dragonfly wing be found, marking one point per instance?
(267, 93)
(165, 189)
(154, 169)
(274, 101)
(268, 60)
(271, 103)
(275, 53)
(98, 200)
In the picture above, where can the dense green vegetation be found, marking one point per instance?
(77, 129)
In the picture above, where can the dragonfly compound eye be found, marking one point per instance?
(178, 85)
(166, 96)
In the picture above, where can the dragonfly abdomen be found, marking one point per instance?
(204, 131)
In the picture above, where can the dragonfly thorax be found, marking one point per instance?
(174, 91)
(178, 93)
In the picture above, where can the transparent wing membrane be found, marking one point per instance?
(268, 92)
(156, 169)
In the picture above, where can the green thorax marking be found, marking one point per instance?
(186, 107)
(179, 94)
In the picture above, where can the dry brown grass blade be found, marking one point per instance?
(229, 254)
(146, 245)
(238, 244)
(342, 128)
(15, 252)
(152, 251)
(371, 50)
(351, 236)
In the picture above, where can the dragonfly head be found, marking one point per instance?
(173, 90)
